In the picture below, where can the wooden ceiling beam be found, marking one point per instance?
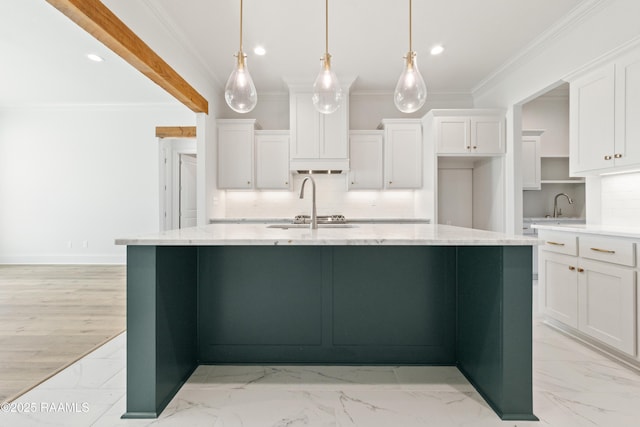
(175, 131)
(95, 18)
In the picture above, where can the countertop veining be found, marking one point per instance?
(358, 234)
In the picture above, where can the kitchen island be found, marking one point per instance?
(400, 294)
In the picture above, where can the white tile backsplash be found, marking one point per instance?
(332, 198)
(621, 199)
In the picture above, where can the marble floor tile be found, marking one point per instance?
(574, 386)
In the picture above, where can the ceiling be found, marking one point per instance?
(43, 61)
(367, 39)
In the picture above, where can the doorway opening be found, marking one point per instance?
(178, 183)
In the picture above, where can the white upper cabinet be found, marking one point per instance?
(250, 158)
(235, 153)
(366, 157)
(466, 132)
(272, 160)
(402, 153)
(604, 106)
(531, 164)
(591, 121)
(627, 140)
(318, 141)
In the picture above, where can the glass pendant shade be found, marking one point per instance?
(327, 93)
(411, 91)
(240, 92)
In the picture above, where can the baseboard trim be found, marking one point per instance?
(65, 259)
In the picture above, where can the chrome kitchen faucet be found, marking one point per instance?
(556, 211)
(314, 215)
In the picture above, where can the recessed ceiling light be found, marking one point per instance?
(437, 50)
(94, 57)
(260, 51)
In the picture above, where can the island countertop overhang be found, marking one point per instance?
(357, 235)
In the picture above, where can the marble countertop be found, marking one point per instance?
(603, 230)
(289, 220)
(357, 234)
(551, 219)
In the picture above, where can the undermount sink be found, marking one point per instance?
(286, 226)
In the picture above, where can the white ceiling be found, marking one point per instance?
(43, 61)
(43, 52)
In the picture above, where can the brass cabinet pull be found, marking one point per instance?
(617, 156)
(468, 147)
(607, 157)
(572, 268)
(475, 147)
(555, 243)
(580, 270)
(605, 251)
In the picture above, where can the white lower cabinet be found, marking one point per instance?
(591, 287)
(606, 304)
(558, 279)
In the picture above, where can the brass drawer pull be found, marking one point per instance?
(605, 251)
(555, 243)
(572, 268)
(617, 156)
(580, 270)
(608, 157)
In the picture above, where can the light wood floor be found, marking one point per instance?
(50, 316)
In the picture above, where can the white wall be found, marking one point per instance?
(79, 174)
(551, 114)
(598, 27)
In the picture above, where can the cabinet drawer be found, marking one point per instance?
(562, 243)
(606, 249)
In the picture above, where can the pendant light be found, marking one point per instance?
(327, 93)
(240, 92)
(411, 92)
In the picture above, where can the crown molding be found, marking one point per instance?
(604, 59)
(539, 44)
(94, 107)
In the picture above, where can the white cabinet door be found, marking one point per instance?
(627, 111)
(558, 281)
(318, 141)
(607, 304)
(272, 160)
(235, 154)
(334, 134)
(453, 135)
(592, 121)
(305, 127)
(366, 157)
(531, 165)
(403, 155)
(470, 134)
(487, 135)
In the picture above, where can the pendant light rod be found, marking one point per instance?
(241, 26)
(410, 27)
(326, 26)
